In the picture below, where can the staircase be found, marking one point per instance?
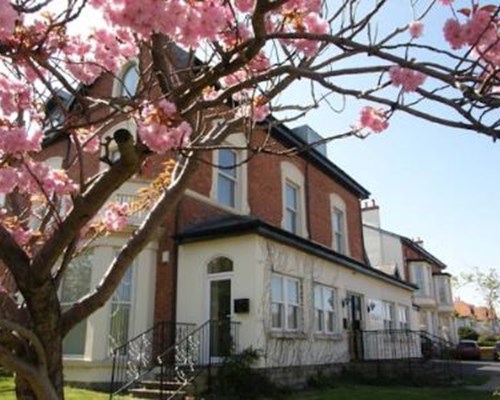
(168, 370)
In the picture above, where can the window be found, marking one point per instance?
(443, 291)
(338, 210)
(338, 231)
(220, 265)
(227, 178)
(404, 317)
(419, 272)
(76, 284)
(291, 207)
(285, 303)
(121, 306)
(324, 309)
(388, 315)
(293, 200)
(129, 81)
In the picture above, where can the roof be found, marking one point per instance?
(234, 225)
(289, 138)
(410, 243)
(465, 310)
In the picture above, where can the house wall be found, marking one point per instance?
(256, 259)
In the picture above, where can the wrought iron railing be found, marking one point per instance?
(136, 358)
(406, 350)
(209, 344)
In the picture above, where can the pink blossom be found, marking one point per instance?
(373, 119)
(21, 236)
(8, 179)
(245, 5)
(8, 18)
(408, 79)
(453, 33)
(446, 2)
(161, 129)
(416, 29)
(116, 216)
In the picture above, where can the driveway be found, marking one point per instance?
(490, 368)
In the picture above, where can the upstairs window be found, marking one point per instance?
(324, 309)
(419, 272)
(285, 303)
(227, 178)
(339, 239)
(291, 207)
(127, 81)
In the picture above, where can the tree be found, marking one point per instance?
(206, 68)
(487, 284)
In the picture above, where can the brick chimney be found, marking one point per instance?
(370, 213)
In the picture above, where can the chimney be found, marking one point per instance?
(370, 212)
(419, 242)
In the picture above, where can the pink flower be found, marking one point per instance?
(446, 2)
(8, 18)
(408, 79)
(116, 216)
(453, 33)
(161, 129)
(373, 119)
(416, 29)
(8, 179)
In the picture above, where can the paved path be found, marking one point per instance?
(489, 368)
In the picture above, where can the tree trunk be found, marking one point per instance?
(45, 313)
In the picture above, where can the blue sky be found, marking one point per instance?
(433, 182)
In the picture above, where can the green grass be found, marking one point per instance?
(7, 392)
(362, 392)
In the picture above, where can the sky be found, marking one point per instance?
(433, 182)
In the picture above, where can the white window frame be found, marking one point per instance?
(291, 175)
(388, 309)
(118, 86)
(337, 204)
(91, 254)
(423, 290)
(237, 141)
(321, 310)
(285, 304)
(292, 210)
(338, 218)
(234, 180)
(132, 268)
(404, 317)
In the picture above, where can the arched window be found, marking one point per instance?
(129, 80)
(219, 265)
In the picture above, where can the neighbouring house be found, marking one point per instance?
(274, 245)
(410, 261)
(482, 319)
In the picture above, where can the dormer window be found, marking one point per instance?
(128, 81)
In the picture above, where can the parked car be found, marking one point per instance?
(496, 352)
(468, 350)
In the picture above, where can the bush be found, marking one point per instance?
(488, 340)
(467, 333)
(236, 379)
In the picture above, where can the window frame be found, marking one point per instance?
(323, 330)
(389, 311)
(337, 203)
(284, 304)
(404, 317)
(235, 180)
(339, 235)
(119, 89)
(290, 210)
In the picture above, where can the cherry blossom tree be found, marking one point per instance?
(206, 68)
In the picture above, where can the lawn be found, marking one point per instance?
(7, 392)
(359, 392)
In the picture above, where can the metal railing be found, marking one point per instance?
(207, 345)
(137, 357)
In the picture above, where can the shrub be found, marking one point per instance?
(467, 333)
(236, 379)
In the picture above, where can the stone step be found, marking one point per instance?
(157, 384)
(143, 393)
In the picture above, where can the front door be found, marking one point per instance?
(220, 317)
(354, 325)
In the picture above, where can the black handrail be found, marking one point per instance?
(134, 359)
